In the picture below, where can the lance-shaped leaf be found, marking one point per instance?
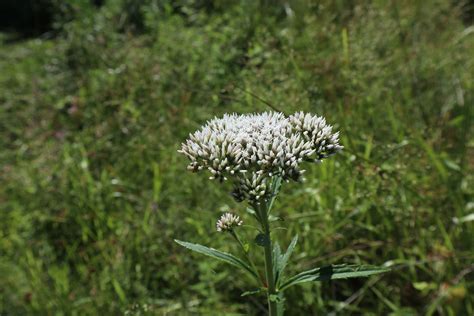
(277, 256)
(254, 292)
(281, 260)
(219, 255)
(333, 272)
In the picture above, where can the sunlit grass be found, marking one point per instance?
(94, 192)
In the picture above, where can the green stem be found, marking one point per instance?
(246, 254)
(271, 293)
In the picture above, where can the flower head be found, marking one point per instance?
(227, 222)
(252, 148)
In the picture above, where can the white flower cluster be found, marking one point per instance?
(251, 148)
(228, 222)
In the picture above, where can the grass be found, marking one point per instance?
(94, 192)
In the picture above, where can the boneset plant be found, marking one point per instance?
(257, 153)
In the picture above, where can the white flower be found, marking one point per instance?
(251, 148)
(227, 222)
(314, 129)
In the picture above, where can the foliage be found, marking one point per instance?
(93, 190)
(219, 255)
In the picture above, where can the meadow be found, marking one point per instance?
(93, 191)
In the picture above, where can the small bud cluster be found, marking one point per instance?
(252, 148)
(252, 187)
(228, 222)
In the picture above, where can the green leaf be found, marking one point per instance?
(262, 240)
(425, 286)
(219, 255)
(274, 298)
(246, 247)
(253, 292)
(250, 211)
(283, 262)
(118, 289)
(333, 272)
(277, 256)
(272, 218)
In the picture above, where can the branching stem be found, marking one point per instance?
(246, 253)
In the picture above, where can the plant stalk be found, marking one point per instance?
(246, 254)
(271, 290)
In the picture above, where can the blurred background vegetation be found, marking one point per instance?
(96, 96)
